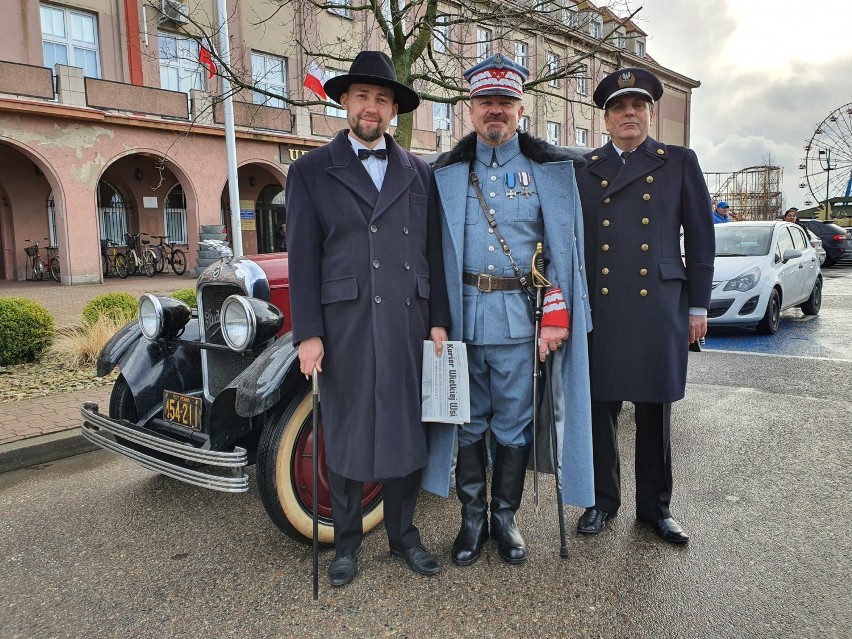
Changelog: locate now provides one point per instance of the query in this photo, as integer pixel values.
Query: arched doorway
(270, 213)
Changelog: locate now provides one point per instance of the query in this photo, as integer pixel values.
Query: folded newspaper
(445, 390)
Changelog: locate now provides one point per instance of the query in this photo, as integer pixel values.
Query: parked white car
(761, 269)
(818, 247)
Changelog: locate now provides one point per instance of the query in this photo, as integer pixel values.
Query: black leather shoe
(668, 530)
(342, 569)
(418, 559)
(593, 521)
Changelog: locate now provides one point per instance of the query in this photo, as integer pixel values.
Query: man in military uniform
(529, 188)
(647, 306)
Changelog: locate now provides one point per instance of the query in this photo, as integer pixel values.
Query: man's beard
(495, 134)
(367, 135)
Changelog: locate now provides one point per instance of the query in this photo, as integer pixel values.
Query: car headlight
(160, 316)
(745, 281)
(247, 321)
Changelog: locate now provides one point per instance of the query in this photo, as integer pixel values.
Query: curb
(43, 449)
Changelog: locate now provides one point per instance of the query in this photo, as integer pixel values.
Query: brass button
(649, 179)
(605, 270)
(646, 197)
(643, 271)
(643, 292)
(645, 220)
(607, 201)
(660, 152)
(645, 247)
(605, 247)
(605, 222)
(604, 183)
(594, 157)
(604, 291)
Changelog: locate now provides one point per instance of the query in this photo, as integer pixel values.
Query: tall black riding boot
(507, 488)
(470, 488)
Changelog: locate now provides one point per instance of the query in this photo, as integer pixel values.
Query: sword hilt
(538, 278)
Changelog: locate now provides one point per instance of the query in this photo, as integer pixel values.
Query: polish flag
(315, 79)
(206, 60)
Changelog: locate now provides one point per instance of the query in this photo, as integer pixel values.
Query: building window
(113, 213)
(620, 41)
(640, 48)
(386, 12)
(552, 67)
(570, 17)
(174, 214)
(596, 29)
(442, 117)
(180, 69)
(522, 53)
(333, 109)
(70, 37)
(581, 137)
(524, 124)
(441, 35)
(604, 138)
(543, 6)
(483, 44)
(51, 220)
(554, 133)
(583, 80)
(342, 8)
(269, 73)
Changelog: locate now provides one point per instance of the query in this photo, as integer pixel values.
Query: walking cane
(563, 544)
(315, 463)
(539, 282)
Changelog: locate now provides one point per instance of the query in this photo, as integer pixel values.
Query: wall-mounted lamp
(252, 181)
(138, 174)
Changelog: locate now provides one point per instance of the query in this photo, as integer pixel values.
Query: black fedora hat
(373, 67)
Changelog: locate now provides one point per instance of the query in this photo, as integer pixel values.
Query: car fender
(118, 347)
(269, 378)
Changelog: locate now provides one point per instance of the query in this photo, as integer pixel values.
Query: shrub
(187, 296)
(120, 306)
(79, 346)
(26, 330)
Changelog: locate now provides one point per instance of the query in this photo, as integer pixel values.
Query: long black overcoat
(366, 275)
(639, 287)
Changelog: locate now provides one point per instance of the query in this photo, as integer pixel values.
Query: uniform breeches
(500, 394)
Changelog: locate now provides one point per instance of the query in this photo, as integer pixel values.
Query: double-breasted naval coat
(640, 288)
(553, 178)
(366, 276)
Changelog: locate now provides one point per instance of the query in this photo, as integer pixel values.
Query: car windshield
(739, 240)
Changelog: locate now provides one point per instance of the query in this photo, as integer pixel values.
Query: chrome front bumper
(95, 426)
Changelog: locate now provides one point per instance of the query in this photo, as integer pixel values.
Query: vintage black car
(203, 394)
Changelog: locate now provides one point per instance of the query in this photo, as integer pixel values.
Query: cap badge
(626, 79)
(498, 60)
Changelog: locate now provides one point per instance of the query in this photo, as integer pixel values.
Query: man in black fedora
(366, 288)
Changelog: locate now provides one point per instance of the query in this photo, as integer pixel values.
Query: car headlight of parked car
(247, 321)
(160, 316)
(745, 281)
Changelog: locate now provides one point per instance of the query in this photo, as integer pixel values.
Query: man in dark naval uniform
(366, 288)
(647, 305)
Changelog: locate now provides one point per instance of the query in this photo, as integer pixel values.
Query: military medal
(526, 180)
(510, 186)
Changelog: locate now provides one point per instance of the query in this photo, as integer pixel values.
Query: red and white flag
(315, 79)
(206, 60)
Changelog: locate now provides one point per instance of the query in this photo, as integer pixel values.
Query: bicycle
(176, 258)
(146, 263)
(39, 266)
(113, 260)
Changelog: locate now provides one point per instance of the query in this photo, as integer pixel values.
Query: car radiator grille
(221, 367)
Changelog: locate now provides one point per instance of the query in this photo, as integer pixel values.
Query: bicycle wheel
(149, 263)
(120, 263)
(131, 262)
(160, 254)
(38, 269)
(54, 268)
(178, 262)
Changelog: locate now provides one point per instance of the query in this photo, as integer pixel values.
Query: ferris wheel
(827, 166)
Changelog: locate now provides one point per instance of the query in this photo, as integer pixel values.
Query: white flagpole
(230, 138)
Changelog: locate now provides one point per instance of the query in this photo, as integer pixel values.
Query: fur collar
(535, 149)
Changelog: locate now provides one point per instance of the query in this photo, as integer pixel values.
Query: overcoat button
(492, 194)
(581, 267)
(643, 292)
(378, 299)
(643, 271)
(494, 165)
(490, 267)
(604, 183)
(605, 271)
(373, 228)
(607, 200)
(375, 263)
(493, 178)
(408, 301)
(405, 230)
(660, 152)
(594, 157)
(645, 247)
(605, 247)
(605, 222)
(646, 197)
(407, 266)
(604, 291)
(490, 230)
(490, 249)
(491, 211)
(649, 179)
(645, 220)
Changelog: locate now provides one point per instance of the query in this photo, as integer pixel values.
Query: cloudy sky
(770, 71)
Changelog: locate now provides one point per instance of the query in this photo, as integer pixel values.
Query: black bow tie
(364, 154)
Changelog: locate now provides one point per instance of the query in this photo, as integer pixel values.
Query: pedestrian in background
(647, 306)
(722, 214)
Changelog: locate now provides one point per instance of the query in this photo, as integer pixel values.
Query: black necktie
(625, 155)
(364, 154)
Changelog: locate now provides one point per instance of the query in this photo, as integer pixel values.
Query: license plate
(182, 409)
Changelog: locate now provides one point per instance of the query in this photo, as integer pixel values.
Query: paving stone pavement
(44, 428)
